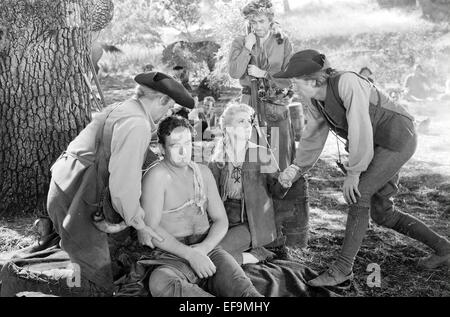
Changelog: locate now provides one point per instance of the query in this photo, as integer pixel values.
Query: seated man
(183, 206)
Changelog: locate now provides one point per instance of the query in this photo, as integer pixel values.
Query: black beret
(168, 86)
(302, 63)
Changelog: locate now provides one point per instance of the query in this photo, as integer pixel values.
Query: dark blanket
(280, 278)
(276, 278)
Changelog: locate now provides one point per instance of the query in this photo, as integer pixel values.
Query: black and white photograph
(241, 150)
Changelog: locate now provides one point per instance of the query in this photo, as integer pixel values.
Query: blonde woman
(246, 176)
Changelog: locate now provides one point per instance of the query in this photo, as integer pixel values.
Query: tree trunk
(44, 97)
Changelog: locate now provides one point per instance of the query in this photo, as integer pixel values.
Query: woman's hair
(218, 156)
(231, 110)
(169, 124)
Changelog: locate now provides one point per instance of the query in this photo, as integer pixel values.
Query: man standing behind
(105, 160)
(263, 52)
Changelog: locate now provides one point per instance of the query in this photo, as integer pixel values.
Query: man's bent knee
(164, 282)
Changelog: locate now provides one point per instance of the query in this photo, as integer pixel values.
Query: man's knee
(382, 212)
(164, 282)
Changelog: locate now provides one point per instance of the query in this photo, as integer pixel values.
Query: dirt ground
(424, 193)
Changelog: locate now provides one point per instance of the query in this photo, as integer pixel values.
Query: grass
(394, 253)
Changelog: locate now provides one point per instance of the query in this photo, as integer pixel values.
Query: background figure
(418, 86)
(210, 111)
(261, 53)
(182, 75)
(366, 72)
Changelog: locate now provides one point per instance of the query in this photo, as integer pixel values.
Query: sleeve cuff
(353, 174)
(138, 223)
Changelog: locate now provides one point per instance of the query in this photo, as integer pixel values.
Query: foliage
(181, 15)
(135, 21)
(228, 24)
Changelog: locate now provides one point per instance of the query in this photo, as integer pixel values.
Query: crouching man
(102, 168)
(182, 204)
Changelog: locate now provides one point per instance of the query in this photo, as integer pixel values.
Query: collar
(153, 125)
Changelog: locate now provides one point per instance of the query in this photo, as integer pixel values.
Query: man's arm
(129, 144)
(216, 212)
(313, 139)
(355, 94)
(239, 58)
(311, 145)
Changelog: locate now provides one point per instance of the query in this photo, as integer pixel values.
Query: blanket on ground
(51, 272)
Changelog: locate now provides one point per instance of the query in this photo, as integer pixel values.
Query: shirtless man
(182, 204)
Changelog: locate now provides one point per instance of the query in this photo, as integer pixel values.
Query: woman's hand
(286, 177)
(255, 71)
(350, 189)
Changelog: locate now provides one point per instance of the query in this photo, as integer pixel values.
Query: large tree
(44, 91)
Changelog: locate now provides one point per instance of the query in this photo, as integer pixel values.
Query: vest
(392, 125)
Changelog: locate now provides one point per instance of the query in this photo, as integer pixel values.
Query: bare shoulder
(157, 173)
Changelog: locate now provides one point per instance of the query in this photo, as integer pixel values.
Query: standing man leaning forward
(381, 138)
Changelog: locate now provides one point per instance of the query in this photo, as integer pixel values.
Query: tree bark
(44, 97)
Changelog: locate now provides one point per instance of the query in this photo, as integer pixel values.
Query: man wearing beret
(381, 138)
(101, 168)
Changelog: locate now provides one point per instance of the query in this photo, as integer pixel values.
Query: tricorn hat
(168, 86)
(303, 63)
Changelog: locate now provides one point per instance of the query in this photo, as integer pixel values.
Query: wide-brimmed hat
(168, 86)
(303, 63)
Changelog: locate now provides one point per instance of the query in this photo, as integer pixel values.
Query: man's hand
(200, 262)
(255, 71)
(146, 235)
(350, 188)
(250, 41)
(286, 177)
